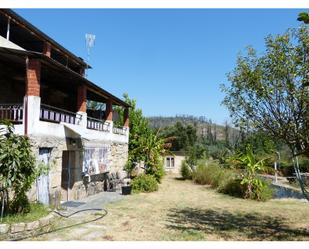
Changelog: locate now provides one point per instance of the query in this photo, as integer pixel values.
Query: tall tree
(144, 144)
(269, 92)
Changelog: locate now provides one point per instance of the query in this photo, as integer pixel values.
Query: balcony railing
(97, 124)
(120, 131)
(57, 115)
(12, 112)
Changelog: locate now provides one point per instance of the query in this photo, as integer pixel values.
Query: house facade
(173, 162)
(44, 93)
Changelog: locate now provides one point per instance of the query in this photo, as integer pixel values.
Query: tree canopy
(144, 144)
(270, 93)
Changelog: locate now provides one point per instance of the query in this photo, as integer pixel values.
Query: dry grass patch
(182, 210)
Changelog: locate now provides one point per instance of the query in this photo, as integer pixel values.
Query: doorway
(42, 182)
(69, 165)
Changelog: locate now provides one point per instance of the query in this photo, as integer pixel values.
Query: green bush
(20, 204)
(185, 171)
(212, 175)
(17, 167)
(144, 183)
(156, 170)
(230, 182)
(205, 174)
(234, 188)
(261, 192)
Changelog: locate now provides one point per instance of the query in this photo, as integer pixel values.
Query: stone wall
(117, 158)
(57, 146)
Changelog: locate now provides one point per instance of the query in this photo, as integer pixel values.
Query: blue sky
(171, 61)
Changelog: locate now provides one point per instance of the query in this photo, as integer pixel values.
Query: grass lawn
(181, 210)
(37, 211)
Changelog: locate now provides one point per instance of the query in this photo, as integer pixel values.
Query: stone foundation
(117, 157)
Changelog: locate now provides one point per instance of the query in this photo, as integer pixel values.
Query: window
(170, 162)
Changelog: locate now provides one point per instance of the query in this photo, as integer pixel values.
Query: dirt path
(181, 210)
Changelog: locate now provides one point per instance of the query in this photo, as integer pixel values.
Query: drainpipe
(8, 29)
(26, 103)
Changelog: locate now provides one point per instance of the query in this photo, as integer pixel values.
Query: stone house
(173, 161)
(44, 92)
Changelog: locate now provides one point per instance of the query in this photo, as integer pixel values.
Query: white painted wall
(178, 161)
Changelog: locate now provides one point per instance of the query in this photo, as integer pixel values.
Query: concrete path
(96, 201)
(82, 225)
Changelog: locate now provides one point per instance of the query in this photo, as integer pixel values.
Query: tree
(17, 167)
(182, 137)
(268, 93)
(303, 17)
(144, 144)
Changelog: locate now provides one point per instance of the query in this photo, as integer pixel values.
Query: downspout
(8, 29)
(26, 101)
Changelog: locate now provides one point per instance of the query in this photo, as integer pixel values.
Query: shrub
(17, 166)
(230, 182)
(212, 174)
(185, 171)
(20, 204)
(205, 174)
(156, 170)
(144, 183)
(263, 192)
(235, 187)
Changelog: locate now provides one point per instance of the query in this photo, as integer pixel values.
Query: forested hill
(204, 126)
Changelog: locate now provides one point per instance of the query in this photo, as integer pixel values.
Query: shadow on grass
(179, 178)
(232, 226)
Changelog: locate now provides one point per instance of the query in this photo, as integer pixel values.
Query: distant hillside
(203, 125)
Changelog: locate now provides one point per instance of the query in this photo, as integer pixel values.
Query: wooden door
(42, 182)
(67, 175)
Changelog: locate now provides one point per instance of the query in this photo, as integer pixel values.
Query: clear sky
(171, 61)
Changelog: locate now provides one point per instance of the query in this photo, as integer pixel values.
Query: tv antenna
(90, 39)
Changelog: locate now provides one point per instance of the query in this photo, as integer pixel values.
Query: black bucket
(126, 190)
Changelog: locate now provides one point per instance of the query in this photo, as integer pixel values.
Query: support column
(126, 117)
(82, 72)
(82, 105)
(109, 114)
(126, 121)
(32, 99)
(47, 49)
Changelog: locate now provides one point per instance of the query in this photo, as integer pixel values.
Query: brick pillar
(32, 99)
(82, 106)
(109, 110)
(82, 99)
(47, 49)
(126, 117)
(33, 77)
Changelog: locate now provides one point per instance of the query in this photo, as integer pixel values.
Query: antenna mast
(90, 38)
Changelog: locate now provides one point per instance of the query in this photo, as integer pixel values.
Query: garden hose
(67, 216)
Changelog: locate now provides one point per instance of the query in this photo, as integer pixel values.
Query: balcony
(97, 124)
(120, 131)
(12, 112)
(46, 120)
(57, 115)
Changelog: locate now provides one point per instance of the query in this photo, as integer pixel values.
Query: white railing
(57, 115)
(120, 131)
(12, 112)
(97, 124)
